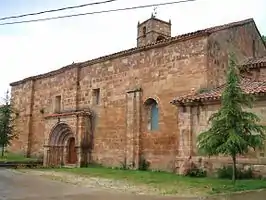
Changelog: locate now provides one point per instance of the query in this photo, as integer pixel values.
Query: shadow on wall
(87, 141)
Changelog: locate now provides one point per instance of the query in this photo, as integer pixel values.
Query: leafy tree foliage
(7, 117)
(233, 130)
(264, 38)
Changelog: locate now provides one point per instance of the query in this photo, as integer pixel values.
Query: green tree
(7, 130)
(233, 130)
(264, 38)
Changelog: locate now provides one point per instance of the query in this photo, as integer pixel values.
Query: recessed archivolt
(150, 101)
(60, 134)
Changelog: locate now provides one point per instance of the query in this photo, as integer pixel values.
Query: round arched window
(159, 38)
(152, 114)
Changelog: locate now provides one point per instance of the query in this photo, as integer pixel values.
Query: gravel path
(32, 185)
(94, 182)
(48, 185)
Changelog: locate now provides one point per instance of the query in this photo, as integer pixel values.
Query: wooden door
(72, 156)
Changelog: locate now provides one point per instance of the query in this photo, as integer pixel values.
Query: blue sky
(34, 48)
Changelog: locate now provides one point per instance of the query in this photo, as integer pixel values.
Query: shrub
(123, 165)
(143, 164)
(196, 172)
(95, 164)
(227, 171)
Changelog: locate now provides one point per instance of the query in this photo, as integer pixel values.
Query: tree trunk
(234, 169)
(3, 151)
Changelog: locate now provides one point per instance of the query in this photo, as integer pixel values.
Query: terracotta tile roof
(178, 38)
(248, 86)
(255, 62)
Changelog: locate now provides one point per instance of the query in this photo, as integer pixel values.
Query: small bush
(123, 165)
(144, 165)
(196, 172)
(227, 171)
(95, 164)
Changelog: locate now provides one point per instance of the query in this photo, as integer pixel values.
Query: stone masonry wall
(198, 122)
(154, 28)
(21, 99)
(238, 40)
(261, 74)
(255, 74)
(162, 73)
(44, 92)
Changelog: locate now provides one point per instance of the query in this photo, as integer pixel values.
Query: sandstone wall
(154, 28)
(22, 96)
(257, 74)
(196, 120)
(162, 73)
(261, 74)
(239, 40)
(34, 100)
(45, 91)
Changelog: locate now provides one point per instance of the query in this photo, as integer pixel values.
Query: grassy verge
(168, 183)
(15, 157)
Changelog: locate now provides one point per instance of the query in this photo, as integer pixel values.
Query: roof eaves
(214, 96)
(51, 73)
(255, 65)
(230, 25)
(178, 38)
(196, 100)
(161, 43)
(251, 63)
(156, 19)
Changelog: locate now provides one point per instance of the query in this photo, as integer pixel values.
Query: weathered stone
(119, 130)
(186, 166)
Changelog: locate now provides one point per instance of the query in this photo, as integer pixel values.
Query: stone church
(147, 102)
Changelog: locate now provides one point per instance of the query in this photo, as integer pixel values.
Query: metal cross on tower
(154, 11)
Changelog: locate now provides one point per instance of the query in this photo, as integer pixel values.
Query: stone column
(185, 132)
(137, 126)
(83, 134)
(185, 139)
(133, 117)
(46, 144)
(83, 138)
(62, 155)
(45, 156)
(65, 155)
(78, 152)
(78, 137)
(130, 128)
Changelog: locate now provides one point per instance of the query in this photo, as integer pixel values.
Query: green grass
(168, 183)
(15, 157)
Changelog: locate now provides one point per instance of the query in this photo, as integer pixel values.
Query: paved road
(18, 186)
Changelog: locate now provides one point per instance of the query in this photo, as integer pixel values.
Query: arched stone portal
(61, 146)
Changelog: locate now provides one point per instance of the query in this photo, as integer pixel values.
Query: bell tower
(153, 30)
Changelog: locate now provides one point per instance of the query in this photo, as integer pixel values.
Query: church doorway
(72, 155)
(61, 146)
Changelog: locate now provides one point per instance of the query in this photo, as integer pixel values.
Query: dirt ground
(48, 185)
(15, 185)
